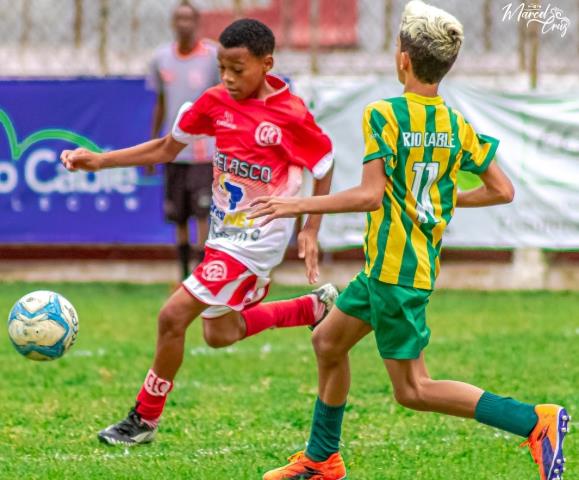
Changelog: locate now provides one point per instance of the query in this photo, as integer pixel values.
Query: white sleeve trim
(323, 166)
(176, 132)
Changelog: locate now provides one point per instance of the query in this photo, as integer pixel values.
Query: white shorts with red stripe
(225, 283)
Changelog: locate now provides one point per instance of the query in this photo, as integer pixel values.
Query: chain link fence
(335, 37)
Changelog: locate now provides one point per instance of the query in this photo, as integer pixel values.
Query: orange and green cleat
(546, 441)
(301, 467)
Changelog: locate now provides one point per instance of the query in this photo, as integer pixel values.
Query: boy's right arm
(159, 150)
(366, 197)
(192, 120)
(379, 161)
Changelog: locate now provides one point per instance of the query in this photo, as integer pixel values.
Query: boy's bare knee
(216, 339)
(171, 323)
(413, 396)
(326, 350)
(409, 398)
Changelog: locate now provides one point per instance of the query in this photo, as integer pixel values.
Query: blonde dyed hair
(432, 37)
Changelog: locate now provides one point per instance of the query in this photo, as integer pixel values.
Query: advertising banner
(539, 151)
(41, 202)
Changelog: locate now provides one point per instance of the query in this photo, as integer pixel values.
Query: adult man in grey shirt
(180, 72)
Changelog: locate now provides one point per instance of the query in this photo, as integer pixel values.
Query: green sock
(326, 431)
(506, 414)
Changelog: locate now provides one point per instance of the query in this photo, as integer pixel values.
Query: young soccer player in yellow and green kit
(414, 147)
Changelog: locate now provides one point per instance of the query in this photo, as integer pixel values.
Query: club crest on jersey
(267, 134)
(214, 271)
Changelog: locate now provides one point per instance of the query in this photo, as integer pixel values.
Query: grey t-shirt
(183, 79)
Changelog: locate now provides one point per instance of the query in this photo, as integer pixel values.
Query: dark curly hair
(252, 34)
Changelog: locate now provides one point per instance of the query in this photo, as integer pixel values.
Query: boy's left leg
(413, 388)
(544, 426)
(235, 293)
(223, 329)
(399, 318)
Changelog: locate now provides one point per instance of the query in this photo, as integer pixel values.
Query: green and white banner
(539, 151)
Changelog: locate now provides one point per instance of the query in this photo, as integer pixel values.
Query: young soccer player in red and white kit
(265, 137)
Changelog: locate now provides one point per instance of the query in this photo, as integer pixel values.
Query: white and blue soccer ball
(43, 325)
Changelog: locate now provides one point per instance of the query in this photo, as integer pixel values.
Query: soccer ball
(42, 325)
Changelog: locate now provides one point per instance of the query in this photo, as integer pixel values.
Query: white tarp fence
(539, 150)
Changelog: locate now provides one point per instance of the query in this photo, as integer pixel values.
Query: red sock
(288, 313)
(152, 397)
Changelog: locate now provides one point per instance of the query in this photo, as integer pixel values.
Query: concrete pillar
(529, 269)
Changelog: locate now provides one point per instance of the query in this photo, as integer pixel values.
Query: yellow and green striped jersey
(423, 144)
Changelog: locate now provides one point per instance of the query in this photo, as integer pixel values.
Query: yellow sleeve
(380, 135)
(477, 150)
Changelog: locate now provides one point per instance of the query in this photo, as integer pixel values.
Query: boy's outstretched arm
(496, 190)
(366, 197)
(159, 150)
(308, 236)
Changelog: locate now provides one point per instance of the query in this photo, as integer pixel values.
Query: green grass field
(238, 412)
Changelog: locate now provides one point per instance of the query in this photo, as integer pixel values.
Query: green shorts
(396, 313)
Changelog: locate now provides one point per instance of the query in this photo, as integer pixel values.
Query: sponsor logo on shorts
(214, 271)
(267, 134)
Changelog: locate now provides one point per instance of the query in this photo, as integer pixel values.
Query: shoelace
(534, 444)
(129, 423)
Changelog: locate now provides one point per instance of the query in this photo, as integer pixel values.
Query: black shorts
(187, 191)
